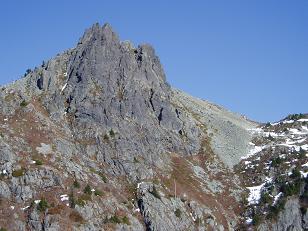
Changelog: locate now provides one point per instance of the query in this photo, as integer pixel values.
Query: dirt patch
(223, 205)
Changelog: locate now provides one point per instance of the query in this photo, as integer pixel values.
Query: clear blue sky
(248, 56)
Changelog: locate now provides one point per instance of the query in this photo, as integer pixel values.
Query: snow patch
(254, 194)
(253, 151)
(272, 134)
(305, 128)
(193, 217)
(248, 220)
(24, 208)
(277, 197)
(282, 156)
(295, 147)
(304, 174)
(63, 88)
(305, 147)
(255, 130)
(139, 184)
(284, 122)
(297, 132)
(288, 121)
(64, 197)
(305, 165)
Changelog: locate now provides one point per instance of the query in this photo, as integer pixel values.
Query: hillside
(96, 139)
(277, 166)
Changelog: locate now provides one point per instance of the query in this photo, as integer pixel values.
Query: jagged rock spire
(96, 32)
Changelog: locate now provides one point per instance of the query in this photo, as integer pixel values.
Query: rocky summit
(96, 139)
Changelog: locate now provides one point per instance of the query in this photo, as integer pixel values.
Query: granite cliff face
(96, 139)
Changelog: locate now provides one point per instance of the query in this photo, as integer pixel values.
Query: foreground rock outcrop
(96, 139)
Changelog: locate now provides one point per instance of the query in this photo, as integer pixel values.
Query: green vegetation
(266, 198)
(296, 116)
(289, 186)
(100, 173)
(3, 229)
(256, 219)
(1, 135)
(198, 221)
(296, 174)
(290, 189)
(28, 71)
(136, 160)
(276, 209)
(276, 162)
(18, 173)
(106, 137)
(111, 133)
(115, 219)
(266, 202)
(23, 103)
(303, 210)
(10, 97)
(156, 181)
(32, 204)
(302, 153)
(178, 213)
(76, 184)
(280, 180)
(42, 205)
(87, 190)
(80, 202)
(85, 197)
(103, 177)
(270, 137)
(125, 220)
(155, 193)
(304, 196)
(97, 192)
(38, 162)
(131, 189)
(72, 201)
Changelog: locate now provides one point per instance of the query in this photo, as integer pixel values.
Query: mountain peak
(97, 130)
(96, 32)
(107, 28)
